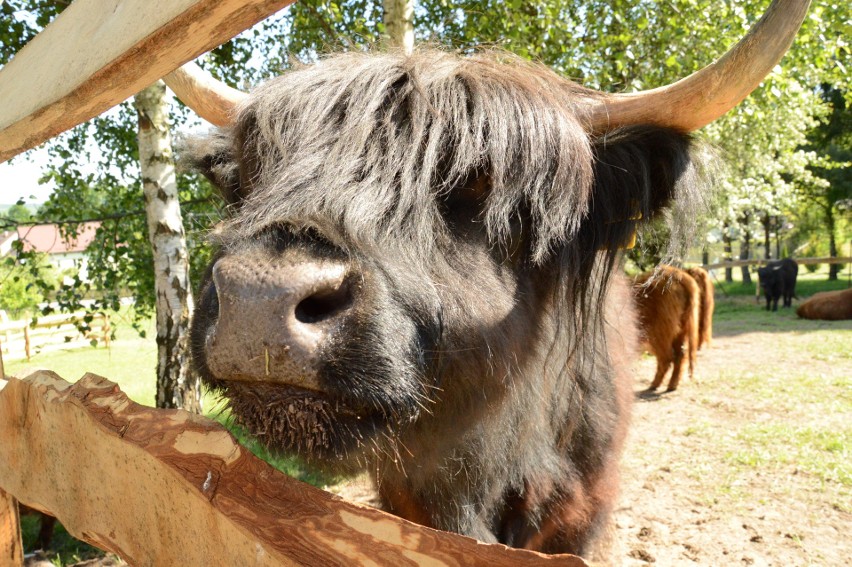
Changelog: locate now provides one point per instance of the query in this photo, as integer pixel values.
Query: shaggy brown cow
(827, 305)
(708, 304)
(418, 277)
(668, 303)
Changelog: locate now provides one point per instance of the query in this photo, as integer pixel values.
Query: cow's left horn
(706, 95)
(213, 100)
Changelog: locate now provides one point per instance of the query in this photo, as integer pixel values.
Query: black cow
(778, 279)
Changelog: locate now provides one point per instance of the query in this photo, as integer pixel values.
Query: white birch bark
(177, 387)
(399, 23)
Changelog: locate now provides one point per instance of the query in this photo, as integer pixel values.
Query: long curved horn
(706, 95)
(213, 100)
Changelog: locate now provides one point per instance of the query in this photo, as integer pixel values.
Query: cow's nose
(274, 316)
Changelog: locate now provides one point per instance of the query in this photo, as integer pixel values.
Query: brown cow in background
(668, 304)
(827, 305)
(708, 304)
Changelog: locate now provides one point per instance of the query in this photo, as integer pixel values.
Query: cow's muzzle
(275, 315)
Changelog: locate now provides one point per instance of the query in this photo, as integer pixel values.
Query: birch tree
(176, 386)
(399, 24)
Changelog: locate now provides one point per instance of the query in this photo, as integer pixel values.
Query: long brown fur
(708, 304)
(668, 302)
(828, 306)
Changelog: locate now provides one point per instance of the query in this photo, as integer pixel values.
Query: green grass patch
(822, 452)
(132, 364)
(65, 548)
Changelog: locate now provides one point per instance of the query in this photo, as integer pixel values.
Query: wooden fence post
(27, 348)
(11, 548)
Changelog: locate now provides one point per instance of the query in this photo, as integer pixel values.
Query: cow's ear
(214, 156)
(638, 172)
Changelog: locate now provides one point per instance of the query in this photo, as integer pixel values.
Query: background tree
(829, 191)
(177, 386)
(398, 20)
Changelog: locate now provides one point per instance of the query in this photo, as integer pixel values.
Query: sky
(19, 179)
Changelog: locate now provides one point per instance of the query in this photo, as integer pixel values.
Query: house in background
(62, 253)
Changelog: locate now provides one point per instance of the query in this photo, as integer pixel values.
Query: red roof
(47, 238)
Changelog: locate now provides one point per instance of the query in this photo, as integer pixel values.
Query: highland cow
(827, 305)
(419, 277)
(708, 304)
(668, 302)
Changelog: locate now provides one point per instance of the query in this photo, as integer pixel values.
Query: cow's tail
(707, 306)
(705, 289)
(691, 324)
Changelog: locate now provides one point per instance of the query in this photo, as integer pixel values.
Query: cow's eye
(464, 204)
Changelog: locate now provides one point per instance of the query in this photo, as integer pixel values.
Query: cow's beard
(329, 433)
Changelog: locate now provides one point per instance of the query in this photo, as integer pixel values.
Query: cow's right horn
(213, 100)
(706, 95)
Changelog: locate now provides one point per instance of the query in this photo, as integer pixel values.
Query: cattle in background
(418, 278)
(778, 280)
(828, 306)
(708, 304)
(45, 530)
(668, 302)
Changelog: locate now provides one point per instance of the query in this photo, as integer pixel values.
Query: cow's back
(828, 306)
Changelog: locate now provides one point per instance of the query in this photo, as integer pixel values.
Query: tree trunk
(833, 269)
(399, 23)
(705, 255)
(745, 250)
(767, 241)
(726, 239)
(177, 387)
(778, 225)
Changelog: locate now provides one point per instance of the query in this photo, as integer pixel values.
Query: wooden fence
(20, 339)
(166, 487)
(757, 262)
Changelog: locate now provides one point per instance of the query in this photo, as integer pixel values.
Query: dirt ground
(696, 492)
(684, 503)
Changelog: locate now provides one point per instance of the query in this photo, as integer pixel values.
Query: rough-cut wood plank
(164, 487)
(99, 52)
(11, 549)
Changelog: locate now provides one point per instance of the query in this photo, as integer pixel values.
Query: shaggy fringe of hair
(363, 147)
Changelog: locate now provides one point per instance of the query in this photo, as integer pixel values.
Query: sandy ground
(684, 503)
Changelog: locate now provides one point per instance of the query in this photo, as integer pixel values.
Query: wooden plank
(165, 487)
(97, 53)
(11, 548)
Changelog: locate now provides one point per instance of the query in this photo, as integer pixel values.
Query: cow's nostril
(324, 304)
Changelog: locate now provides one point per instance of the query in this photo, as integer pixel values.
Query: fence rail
(19, 339)
(758, 262)
(175, 488)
